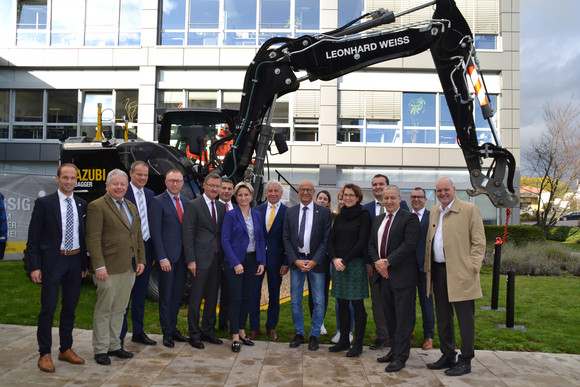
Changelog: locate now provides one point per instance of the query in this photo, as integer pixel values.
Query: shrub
(562, 233)
(519, 235)
(574, 235)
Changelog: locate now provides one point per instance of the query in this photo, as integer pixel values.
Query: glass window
(6, 13)
(203, 39)
(202, 99)
(349, 10)
(346, 134)
(130, 23)
(306, 129)
(204, 14)
(419, 115)
(4, 105)
(101, 21)
(447, 133)
(3, 131)
(90, 107)
(62, 106)
(60, 131)
(231, 100)
(173, 15)
(31, 23)
(27, 131)
(240, 14)
(275, 14)
(308, 14)
(383, 136)
(67, 23)
(28, 106)
(126, 105)
(170, 99)
(485, 42)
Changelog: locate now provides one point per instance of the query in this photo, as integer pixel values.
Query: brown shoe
(272, 334)
(254, 333)
(412, 335)
(428, 344)
(70, 356)
(45, 363)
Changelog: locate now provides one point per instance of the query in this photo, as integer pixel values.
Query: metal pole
(495, 278)
(509, 314)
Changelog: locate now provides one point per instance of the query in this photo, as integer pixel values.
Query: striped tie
(143, 215)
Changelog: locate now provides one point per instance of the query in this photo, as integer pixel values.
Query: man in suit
(58, 258)
(225, 195)
(202, 223)
(392, 244)
(376, 208)
(272, 215)
(166, 214)
(418, 200)
(141, 196)
(306, 231)
(115, 244)
(454, 252)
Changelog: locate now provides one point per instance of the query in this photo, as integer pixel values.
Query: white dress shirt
(307, 226)
(438, 250)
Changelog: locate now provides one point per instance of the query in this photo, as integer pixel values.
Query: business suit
(224, 290)
(425, 301)
(201, 243)
(398, 291)
(320, 231)
(275, 258)
(45, 239)
(139, 293)
(117, 247)
(166, 235)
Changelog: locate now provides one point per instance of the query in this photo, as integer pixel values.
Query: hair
(357, 191)
(173, 171)
(227, 181)
(243, 184)
(137, 164)
(116, 172)
(379, 175)
(274, 182)
(211, 176)
(60, 167)
(420, 189)
(392, 188)
(340, 193)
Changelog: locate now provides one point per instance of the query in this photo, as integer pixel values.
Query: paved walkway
(267, 364)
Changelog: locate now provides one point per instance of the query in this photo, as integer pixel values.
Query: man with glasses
(166, 215)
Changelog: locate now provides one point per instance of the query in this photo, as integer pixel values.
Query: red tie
(418, 214)
(384, 239)
(227, 207)
(179, 210)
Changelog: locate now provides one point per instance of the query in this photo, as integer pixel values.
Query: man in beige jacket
(454, 252)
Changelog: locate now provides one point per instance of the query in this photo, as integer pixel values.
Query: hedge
(517, 234)
(564, 234)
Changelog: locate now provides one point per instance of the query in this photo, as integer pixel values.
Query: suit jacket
(165, 227)
(464, 245)
(275, 253)
(45, 230)
(421, 247)
(130, 195)
(110, 242)
(403, 239)
(235, 238)
(318, 237)
(199, 234)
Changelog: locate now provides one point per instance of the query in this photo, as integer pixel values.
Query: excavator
(273, 73)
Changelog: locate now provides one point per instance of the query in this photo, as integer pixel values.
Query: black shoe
(196, 343)
(443, 362)
(247, 341)
(355, 351)
(212, 340)
(378, 344)
(396, 365)
(313, 344)
(387, 358)
(168, 341)
(102, 359)
(297, 341)
(339, 347)
(177, 336)
(120, 353)
(461, 368)
(235, 346)
(142, 339)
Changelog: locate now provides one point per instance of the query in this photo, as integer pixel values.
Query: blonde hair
(243, 184)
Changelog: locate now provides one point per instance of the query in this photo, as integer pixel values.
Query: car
(571, 215)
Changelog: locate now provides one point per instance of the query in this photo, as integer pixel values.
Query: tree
(554, 158)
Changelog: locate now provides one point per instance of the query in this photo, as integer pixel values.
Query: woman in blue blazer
(245, 256)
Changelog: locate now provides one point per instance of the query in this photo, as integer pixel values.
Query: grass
(546, 306)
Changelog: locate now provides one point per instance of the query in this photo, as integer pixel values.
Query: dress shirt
(208, 203)
(382, 229)
(421, 213)
(171, 196)
(307, 226)
(250, 227)
(269, 209)
(438, 248)
(63, 204)
(378, 205)
(229, 205)
(140, 196)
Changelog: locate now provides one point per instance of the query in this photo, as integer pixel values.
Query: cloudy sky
(549, 58)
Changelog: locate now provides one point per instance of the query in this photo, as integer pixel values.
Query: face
(349, 197)
(117, 187)
(306, 192)
(378, 184)
(139, 176)
(445, 191)
(273, 193)
(391, 200)
(226, 191)
(322, 200)
(174, 182)
(227, 130)
(340, 201)
(212, 188)
(243, 197)
(67, 180)
(418, 200)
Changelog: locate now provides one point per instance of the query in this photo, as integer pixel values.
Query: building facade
(60, 58)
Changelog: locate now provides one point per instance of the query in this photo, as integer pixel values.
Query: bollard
(495, 279)
(511, 290)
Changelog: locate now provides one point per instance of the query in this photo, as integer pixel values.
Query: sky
(549, 58)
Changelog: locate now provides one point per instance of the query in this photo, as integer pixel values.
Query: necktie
(124, 213)
(69, 226)
(143, 214)
(302, 227)
(179, 209)
(227, 207)
(382, 211)
(384, 239)
(272, 216)
(418, 214)
(213, 215)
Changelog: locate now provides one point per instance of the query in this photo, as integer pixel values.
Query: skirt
(352, 283)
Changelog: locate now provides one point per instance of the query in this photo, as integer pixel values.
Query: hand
(310, 264)
(192, 266)
(260, 270)
(84, 273)
(338, 265)
(140, 269)
(301, 264)
(102, 274)
(165, 265)
(239, 268)
(384, 272)
(36, 276)
(284, 270)
(369, 270)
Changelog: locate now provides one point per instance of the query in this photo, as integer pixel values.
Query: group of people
(382, 243)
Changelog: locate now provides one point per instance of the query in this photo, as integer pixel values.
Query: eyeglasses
(214, 186)
(417, 197)
(305, 189)
(175, 181)
(348, 195)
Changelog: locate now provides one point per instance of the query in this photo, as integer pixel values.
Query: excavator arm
(355, 46)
